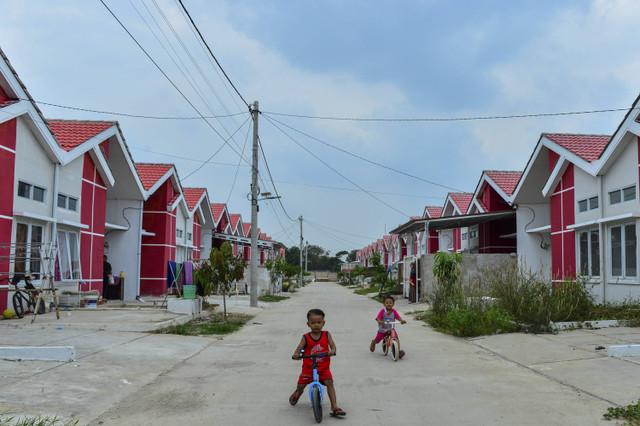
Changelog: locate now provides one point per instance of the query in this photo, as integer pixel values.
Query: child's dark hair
(390, 297)
(315, 312)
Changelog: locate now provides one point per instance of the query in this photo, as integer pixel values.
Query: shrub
(447, 293)
(469, 322)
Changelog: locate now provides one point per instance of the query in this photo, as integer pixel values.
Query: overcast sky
(341, 59)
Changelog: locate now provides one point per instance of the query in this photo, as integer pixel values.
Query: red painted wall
(7, 174)
(563, 243)
(157, 250)
(457, 239)
(92, 214)
(493, 201)
(433, 244)
(196, 236)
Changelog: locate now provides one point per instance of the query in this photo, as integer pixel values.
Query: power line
(184, 158)
(272, 182)
(357, 190)
(235, 177)
(168, 78)
(124, 114)
(218, 150)
(444, 119)
(335, 237)
(342, 232)
(334, 170)
(214, 56)
(363, 158)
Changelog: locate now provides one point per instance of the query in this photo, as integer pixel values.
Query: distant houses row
(72, 193)
(574, 210)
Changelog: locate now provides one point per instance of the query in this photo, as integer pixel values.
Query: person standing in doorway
(413, 296)
(106, 273)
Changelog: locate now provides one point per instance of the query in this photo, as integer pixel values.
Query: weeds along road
(246, 378)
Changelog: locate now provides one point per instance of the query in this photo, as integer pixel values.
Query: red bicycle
(391, 342)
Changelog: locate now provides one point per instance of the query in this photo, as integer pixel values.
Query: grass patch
(630, 414)
(211, 324)
(6, 419)
(272, 298)
(367, 290)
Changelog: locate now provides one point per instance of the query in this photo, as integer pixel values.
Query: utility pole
(301, 248)
(255, 191)
(306, 252)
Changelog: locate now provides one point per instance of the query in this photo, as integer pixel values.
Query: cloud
(581, 58)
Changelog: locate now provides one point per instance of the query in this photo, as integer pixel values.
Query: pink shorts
(379, 337)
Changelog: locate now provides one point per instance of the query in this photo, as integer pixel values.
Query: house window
(589, 253)
(588, 204)
(621, 195)
(68, 259)
(473, 234)
(623, 245)
(179, 233)
(28, 246)
(464, 236)
(66, 202)
(189, 236)
(33, 192)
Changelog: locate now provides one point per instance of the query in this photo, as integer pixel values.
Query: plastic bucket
(189, 291)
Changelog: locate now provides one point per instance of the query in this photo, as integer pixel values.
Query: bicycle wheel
(385, 346)
(316, 403)
(395, 350)
(18, 306)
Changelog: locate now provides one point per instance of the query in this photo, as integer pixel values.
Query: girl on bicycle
(386, 314)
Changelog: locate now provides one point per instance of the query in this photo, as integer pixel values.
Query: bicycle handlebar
(319, 355)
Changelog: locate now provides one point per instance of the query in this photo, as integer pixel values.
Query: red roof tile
(433, 212)
(192, 196)
(462, 200)
(173, 199)
(587, 147)
(235, 219)
(247, 228)
(506, 180)
(217, 210)
(71, 133)
(150, 173)
(7, 103)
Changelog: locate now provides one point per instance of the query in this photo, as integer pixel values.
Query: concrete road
(137, 378)
(246, 378)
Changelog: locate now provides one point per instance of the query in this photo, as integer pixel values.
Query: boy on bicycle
(386, 314)
(317, 341)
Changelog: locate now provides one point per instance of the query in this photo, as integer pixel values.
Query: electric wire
(212, 55)
(168, 78)
(333, 169)
(445, 119)
(361, 157)
(357, 190)
(342, 232)
(184, 158)
(335, 237)
(205, 162)
(235, 176)
(124, 114)
(194, 84)
(272, 181)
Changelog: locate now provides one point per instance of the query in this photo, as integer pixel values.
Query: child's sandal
(337, 412)
(293, 399)
(372, 346)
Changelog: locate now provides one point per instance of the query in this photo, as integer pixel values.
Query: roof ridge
(578, 134)
(69, 120)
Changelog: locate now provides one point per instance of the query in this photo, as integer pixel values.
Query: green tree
(221, 271)
(276, 270)
(352, 255)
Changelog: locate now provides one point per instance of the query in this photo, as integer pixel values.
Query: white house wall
(622, 174)
(123, 247)
(530, 249)
(70, 184)
(445, 239)
(32, 166)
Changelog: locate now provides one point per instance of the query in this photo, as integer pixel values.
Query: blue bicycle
(316, 392)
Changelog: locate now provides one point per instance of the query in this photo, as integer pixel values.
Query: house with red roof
(200, 219)
(578, 208)
(456, 204)
(494, 193)
(163, 226)
(60, 179)
(429, 241)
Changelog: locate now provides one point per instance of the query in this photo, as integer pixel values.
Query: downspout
(139, 255)
(54, 215)
(602, 241)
